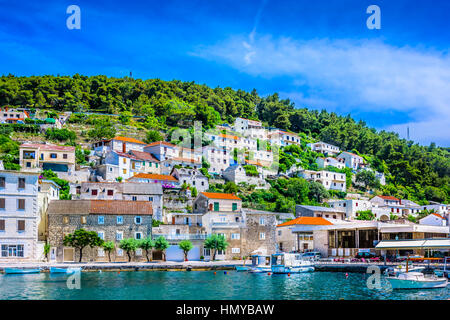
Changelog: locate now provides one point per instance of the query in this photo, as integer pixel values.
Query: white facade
(352, 160)
(282, 138)
(324, 148)
(192, 177)
(19, 216)
(329, 161)
(219, 159)
(433, 220)
(352, 206)
(330, 180)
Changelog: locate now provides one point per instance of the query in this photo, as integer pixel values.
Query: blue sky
(318, 53)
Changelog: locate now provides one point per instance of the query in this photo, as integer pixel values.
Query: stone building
(192, 177)
(113, 220)
(36, 157)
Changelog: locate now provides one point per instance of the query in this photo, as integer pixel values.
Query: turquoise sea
(205, 285)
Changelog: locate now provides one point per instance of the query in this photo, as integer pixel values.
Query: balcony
(180, 236)
(226, 224)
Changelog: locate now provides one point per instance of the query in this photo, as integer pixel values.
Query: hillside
(413, 171)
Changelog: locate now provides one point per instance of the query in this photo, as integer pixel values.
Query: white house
(324, 148)
(48, 191)
(282, 138)
(434, 219)
(330, 180)
(192, 177)
(353, 206)
(218, 158)
(329, 161)
(352, 160)
(19, 216)
(119, 144)
(162, 150)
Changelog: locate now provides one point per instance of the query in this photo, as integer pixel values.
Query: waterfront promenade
(326, 266)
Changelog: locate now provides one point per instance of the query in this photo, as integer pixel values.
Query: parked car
(312, 255)
(365, 255)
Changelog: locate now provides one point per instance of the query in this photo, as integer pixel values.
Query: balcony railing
(180, 236)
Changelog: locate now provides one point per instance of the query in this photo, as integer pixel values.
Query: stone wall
(58, 229)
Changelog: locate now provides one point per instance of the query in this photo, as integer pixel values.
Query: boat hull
(21, 271)
(260, 269)
(64, 270)
(414, 284)
(296, 269)
(241, 268)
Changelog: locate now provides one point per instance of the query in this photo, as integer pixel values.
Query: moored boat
(260, 264)
(285, 263)
(241, 268)
(64, 270)
(21, 271)
(417, 280)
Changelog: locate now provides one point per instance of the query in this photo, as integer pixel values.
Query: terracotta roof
(144, 156)
(254, 162)
(228, 136)
(121, 207)
(126, 155)
(389, 198)
(438, 215)
(225, 196)
(185, 160)
(161, 142)
(315, 221)
(47, 147)
(126, 139)
(153, 176)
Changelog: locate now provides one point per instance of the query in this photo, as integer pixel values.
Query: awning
(413, 244)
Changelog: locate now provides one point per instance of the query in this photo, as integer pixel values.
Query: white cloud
(364, 75)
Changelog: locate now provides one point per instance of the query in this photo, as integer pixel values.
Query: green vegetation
(129, 245)
(109, 246)
(365, 215)
(186, 246)
(215, 242)
(64, 192)
(251, 171)
(162, 244)
(147, 244)
(367, 179)
(61, 135)
(412, 171)
(9, 152)
(153, 136)
(82, 238)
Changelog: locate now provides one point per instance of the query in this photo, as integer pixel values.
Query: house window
(101, 235)
(2, 182)
(235, 236)
(20, 225)
(2, 225)
(234, 206)
(94, 192)
(119, 252)
(21, 183)
(65, 219)
(150, 199)
(134, 198)
(124, 161)
(124, 171)
(262, 236)
(261, 221)
(119, 235)
(235, 250)
(216, 206)
(28, 164)
(21, 204)
(2, 203)
(138, 235)
(53, 155)
(83, 220)
(220, 252)
(101, 220)
(279, 232)
(138, 220)
(12, 250)
(119, 220)
(65, 156)
(139, 252)
(110, 192)
(206, 252)
(100, 252)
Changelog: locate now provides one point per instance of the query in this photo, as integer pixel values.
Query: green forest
(413, 171)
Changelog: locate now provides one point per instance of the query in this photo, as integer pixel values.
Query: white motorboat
(260, 264)
(395, 271)
(286, 263)
(416, 280)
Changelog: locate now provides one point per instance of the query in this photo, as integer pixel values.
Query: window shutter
(2, 182)
(2, 225)
(21, 183)
(21, 225)
(2, 203)
(21, 204)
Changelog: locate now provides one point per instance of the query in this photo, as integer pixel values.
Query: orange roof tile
(126, 139)
(228, 136)
(161, 142)
(121, 207)
(389, 198)
(154, 176)
(224, 196)
(315, 221)
(438, 215)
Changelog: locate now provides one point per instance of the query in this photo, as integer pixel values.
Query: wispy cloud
(356, 74)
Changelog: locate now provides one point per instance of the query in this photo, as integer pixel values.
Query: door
(68, 254)
(53, 254)
(174, 253)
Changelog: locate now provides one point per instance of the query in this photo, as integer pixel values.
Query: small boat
(64, 270)
(241, 268)
(443, 272)
(21, 271)
(260, 264)
(284, 263)
(395, 271)
(417, 280)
